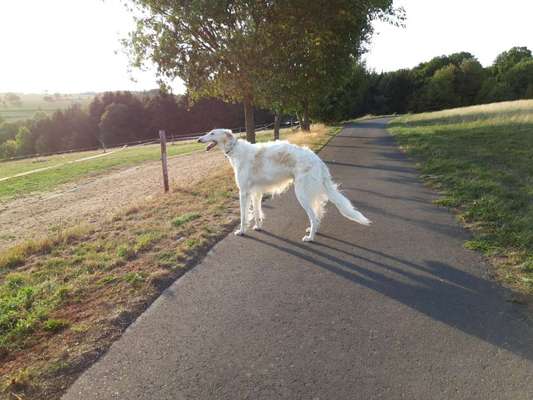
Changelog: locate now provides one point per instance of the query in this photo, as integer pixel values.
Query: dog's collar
(227, 152)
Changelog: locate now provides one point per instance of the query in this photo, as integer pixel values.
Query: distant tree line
(443, 82)
(118, 117)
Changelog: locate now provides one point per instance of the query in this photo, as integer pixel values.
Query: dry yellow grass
(320, 134)
(520, 111)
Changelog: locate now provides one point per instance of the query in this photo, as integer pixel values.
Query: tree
(25, 141)
(440, 91)
(213, 45)
(8, 149)
(8, 130)
(349, 101)
(426, 70)
(114, 125)
(508, 59)
(312, 47)
(283, 53)
(470, 80)
(397, 87)
(519, 79)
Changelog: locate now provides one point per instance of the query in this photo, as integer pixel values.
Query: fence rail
(172, 138)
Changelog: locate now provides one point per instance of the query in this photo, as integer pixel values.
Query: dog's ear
(229, 135)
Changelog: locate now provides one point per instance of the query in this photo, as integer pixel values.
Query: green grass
(184, 218)
(481, 158)
(25, 305)
(55, 325)
(10, 168)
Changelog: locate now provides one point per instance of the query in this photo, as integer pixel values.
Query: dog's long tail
(344, 205)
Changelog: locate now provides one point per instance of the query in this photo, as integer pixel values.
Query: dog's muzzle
(210, 145)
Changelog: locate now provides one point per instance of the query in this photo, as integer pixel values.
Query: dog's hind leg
(303, 197)
(258, 212)
(244, 199)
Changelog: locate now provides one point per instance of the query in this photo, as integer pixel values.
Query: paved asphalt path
(399, 310)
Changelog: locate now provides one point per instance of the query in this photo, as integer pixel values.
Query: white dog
(271, 168)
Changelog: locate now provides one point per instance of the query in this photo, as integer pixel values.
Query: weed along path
(399, 310)
(92, 200)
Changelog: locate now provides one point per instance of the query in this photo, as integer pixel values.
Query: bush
(519, 79)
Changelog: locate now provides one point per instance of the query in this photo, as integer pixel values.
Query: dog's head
(223, 137)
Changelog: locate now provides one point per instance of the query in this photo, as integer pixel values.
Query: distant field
(33, 103)
(49, 179)
(481, 157)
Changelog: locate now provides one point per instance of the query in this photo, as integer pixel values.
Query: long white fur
(271, 168)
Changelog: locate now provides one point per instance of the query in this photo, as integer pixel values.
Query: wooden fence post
(163, 138)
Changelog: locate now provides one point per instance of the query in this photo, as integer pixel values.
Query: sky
(72, 46)
(66, 46)
(484, 28)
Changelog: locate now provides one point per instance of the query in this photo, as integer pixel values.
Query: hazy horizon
(48, 53)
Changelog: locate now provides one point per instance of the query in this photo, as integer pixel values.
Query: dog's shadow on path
(471, 304)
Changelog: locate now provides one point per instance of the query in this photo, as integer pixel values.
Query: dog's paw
(307, 238)
(239, 232)
(257, 228)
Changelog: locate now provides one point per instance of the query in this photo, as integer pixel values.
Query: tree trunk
(306, 124)
(249, 120)
(277, 122)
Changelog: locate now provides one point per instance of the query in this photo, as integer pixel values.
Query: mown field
(64, 169)
(33, 103)
(66, 297)
(481, 159)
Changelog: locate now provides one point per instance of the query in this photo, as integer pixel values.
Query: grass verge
(481, 159)
(64, 299)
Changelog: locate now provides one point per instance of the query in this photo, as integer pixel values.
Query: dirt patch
(95, 199)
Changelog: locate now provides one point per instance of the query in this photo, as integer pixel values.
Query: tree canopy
(280, 54)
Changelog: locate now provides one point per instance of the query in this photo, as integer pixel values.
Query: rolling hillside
(30, 104)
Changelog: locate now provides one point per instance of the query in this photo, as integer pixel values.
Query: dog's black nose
(199, 140)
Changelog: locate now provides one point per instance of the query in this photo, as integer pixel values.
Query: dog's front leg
(258, 213)
(244, 199)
